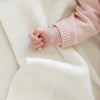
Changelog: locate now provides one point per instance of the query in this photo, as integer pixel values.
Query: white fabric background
(8, 65)
(89, 49)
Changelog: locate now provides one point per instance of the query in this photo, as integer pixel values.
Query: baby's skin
(43, 37)
(81, 25)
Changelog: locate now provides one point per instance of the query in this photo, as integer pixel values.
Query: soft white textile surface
(35, 79)
(8, 65)
(43, 79)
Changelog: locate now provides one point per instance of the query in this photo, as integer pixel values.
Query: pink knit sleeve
(81, 25)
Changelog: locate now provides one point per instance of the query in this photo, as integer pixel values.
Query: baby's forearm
(81, 25)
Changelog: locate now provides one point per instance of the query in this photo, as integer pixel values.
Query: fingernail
(39, 49)
(35, 38)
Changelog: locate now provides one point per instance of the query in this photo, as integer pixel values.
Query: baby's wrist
(57, 38)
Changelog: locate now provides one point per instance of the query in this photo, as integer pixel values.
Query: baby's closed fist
(42, 38)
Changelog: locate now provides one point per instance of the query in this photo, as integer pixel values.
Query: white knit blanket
(53, 73)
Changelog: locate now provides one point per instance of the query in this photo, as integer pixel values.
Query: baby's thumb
(38, 31)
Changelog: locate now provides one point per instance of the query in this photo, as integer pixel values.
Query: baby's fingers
(38, 49)
(37, 45)
(32, 37)
(37, 40)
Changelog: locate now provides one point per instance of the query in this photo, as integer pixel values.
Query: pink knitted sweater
(83, 23)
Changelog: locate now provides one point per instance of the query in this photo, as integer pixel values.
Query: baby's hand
(42, 38)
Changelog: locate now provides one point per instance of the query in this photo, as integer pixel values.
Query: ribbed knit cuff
(57, 36)
(66, 33)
